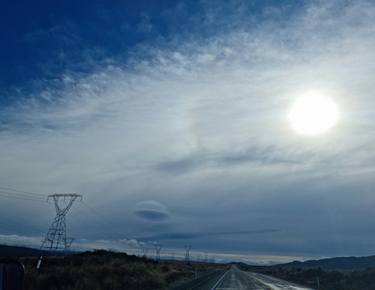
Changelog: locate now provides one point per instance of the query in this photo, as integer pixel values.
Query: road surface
(236, 279)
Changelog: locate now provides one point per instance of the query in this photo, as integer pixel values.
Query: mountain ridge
(339, 263)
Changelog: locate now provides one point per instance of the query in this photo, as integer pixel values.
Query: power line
(10, 192)
(22, 191)
(11, 195)
(17, 194)
(103, 219)
(11, 223)
(22, 194)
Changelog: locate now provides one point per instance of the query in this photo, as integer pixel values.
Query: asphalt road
(235, 279)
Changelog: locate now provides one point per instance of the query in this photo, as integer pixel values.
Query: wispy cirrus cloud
(210, 110)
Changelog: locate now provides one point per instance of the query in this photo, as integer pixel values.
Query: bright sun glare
(313, 114)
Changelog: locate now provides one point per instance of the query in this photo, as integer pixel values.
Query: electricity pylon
(144, 250)
(187, 253)
(158, 248)
(55, 239)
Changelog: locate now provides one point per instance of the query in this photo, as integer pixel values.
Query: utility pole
(158, 248)
(187, 253)
(55, 239)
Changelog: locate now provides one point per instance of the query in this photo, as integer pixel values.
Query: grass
(107, 270)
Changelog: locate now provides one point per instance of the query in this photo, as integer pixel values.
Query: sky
(171, 119)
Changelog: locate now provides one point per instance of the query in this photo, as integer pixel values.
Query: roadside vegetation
(101, 270)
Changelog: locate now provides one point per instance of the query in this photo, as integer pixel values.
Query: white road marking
(280, 287)
(218, 281)
(269, 282)
(275, 285)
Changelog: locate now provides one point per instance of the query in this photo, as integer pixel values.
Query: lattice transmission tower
(55, 239)
(158, 248)
(187, 253)
(144, 250)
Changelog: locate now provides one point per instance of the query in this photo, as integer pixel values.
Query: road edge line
(218, 281)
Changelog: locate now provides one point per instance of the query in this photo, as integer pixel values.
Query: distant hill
(340, 263)
(15, 251)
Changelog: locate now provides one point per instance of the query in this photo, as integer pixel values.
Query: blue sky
(43, 39)
(170, 117)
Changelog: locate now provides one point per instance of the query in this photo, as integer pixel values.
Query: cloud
(210, 110)
(130, 243)
(20, 240)
(151, 210)
(194, 235)
(255, 155)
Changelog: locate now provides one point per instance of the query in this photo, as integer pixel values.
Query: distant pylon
(144, 250)
(158, 248)
(55, 239)
(187, 253)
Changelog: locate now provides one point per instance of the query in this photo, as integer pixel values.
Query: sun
(313, 114)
